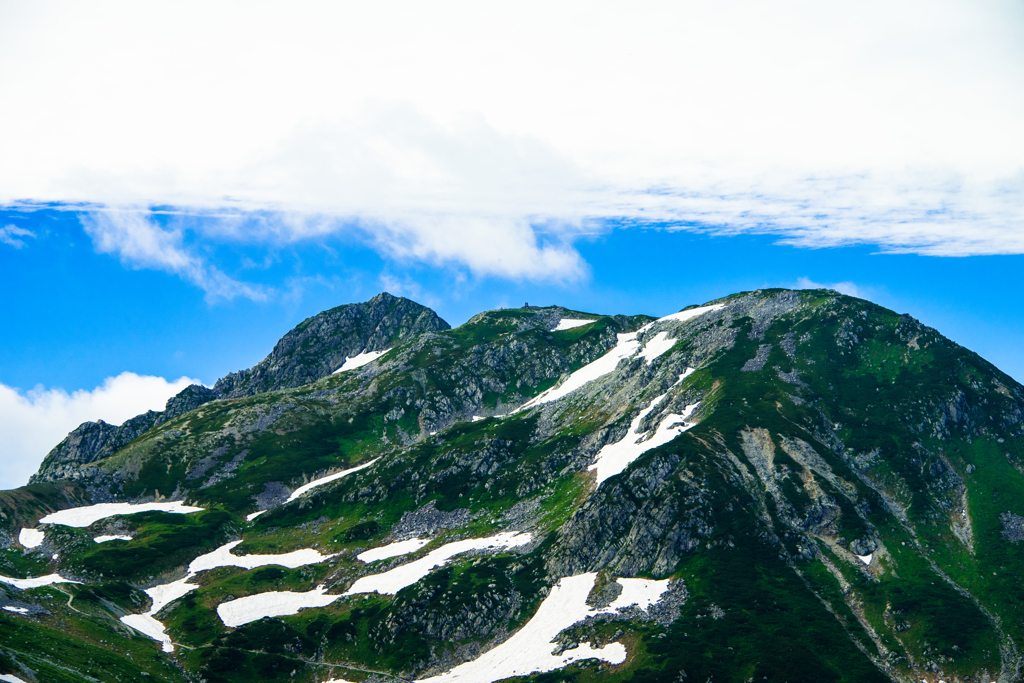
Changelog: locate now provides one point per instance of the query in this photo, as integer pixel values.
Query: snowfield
(683, 316)
(31, 538)
(149, 627)
(326, 480)
(394, 580)
(529, 650)
(360, 360)
(570, 323)
(37, 582)
(627, 347)
(313, 484)
(642, 593)
(271, 604)
(616, 457)
(392, 550)
(656, 347)
(164, 594)
(283, 603)
(104, 539)
(222, 557)
(84, 516)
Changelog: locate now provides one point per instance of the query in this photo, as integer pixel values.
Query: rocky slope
(776, 485)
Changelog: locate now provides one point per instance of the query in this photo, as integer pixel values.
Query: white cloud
(500, 246)
(34, 422)
(10, 234)
(141, 243)
(407, 287)
(929, 213)
(448, 132)
(846, 287)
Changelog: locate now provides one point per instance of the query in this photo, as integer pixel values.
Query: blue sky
(82, 316)
(181, 184)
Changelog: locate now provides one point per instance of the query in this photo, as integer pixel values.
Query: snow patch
(222, 557)
(31, 538)
(392, 550)
(657, 346)
(271, 604)
(360, 360)
(477, 418)
(394, 580)
(151, 628)
(324, 480)
(640, 592)
(39, 581)
(686, 373)
(570, 323)
(84, 516)
(313, 484)
(11, 678)
(164, 594)
(104, 539)
(16, 610)
(167, 593)
(683, 316)
(866, 559)
(616, 457)
(626, 347)
(529, 650)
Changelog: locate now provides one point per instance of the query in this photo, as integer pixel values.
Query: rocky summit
(772, 486)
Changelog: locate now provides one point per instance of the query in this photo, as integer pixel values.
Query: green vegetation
(163, 542)
(81, 642)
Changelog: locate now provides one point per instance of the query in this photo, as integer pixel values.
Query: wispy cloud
(931, 213)
(847, 287)
(10, 234)
(33, 422)
(407, 287)
(140, 242)
(505, 246)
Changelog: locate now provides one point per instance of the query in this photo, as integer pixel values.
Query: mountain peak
(313, 349)
(319, 345)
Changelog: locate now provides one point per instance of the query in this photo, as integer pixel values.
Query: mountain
(314, 349)
(777, 485)
(320, 345)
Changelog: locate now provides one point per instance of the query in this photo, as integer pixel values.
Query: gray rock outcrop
(92, 441)
(318, 346)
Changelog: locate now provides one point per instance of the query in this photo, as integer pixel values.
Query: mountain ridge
(763, 455)
(325, 341)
